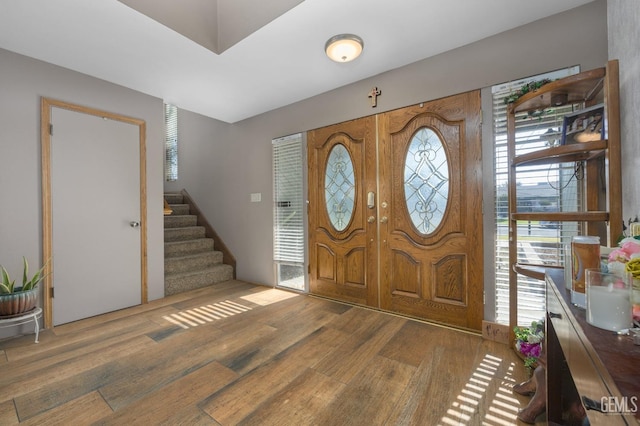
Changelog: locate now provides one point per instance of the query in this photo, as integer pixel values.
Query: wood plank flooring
(238, 353)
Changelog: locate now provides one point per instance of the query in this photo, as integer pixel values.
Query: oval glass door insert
(426, 180)
(339, 187)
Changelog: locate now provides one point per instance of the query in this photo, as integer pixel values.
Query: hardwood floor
(238, 353)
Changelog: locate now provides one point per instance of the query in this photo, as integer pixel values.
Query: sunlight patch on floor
(206, 314)
(504, 407)
(267, 297)
(502, 411)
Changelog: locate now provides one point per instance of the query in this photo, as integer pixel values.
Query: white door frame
(47, 236)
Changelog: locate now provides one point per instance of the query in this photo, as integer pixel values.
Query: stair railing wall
(227, 257)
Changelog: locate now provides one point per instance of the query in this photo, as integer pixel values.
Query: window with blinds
(288, 211)
(555, 187)
(171, 143)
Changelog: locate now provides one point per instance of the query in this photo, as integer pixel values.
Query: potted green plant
(14, 300)
(529, 343)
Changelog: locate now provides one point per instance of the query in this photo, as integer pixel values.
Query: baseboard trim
(496, 332)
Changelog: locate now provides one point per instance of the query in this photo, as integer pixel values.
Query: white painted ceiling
(280, 63)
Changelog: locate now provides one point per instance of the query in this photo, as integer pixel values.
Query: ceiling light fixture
(344, 47)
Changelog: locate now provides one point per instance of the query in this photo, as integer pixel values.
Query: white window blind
(171, 143)
(553, 187)
(288, 200)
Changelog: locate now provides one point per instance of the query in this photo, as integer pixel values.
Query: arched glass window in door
(426, 180)
(340, 187)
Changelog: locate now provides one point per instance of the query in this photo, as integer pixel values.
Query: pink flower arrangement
(626, 258)
(629, 248)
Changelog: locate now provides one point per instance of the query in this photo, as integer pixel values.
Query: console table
(32, 315)
(600, 368)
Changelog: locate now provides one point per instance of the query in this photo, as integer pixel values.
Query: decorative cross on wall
(373, 94)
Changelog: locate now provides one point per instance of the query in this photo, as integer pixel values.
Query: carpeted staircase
(190, 260)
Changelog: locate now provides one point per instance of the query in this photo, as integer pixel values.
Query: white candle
(609, 307)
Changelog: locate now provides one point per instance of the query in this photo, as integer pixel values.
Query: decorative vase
(18, 302)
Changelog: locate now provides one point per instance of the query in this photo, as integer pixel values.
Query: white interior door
(95, 210)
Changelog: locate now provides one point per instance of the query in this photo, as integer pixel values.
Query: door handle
(371, 199)
(134, 224)
(383, 219)
(371, 219)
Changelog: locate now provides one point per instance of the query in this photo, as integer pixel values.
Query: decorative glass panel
(339, 187)
(426, 180)
(171, 143)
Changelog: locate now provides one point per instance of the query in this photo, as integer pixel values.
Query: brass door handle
(371, 219)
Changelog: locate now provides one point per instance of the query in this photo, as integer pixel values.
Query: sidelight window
(289, 211)
(171, 143)
(555, 187)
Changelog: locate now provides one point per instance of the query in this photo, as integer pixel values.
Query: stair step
(184, 248)
(185, 281)
(183, 234)
(179, 209)
(192, 262)
(180, 221)
(173, 197)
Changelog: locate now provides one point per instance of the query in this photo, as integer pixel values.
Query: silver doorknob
(134, 224)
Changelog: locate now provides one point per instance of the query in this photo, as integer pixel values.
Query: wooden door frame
(47, 224)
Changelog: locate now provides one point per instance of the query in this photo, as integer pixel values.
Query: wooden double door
(395, 211)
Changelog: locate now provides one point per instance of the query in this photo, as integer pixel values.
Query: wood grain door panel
(382, 258)
(343, 262)
(436, 274)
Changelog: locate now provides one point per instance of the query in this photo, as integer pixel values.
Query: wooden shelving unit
(562, 154)
(534, 271)
(602, 182)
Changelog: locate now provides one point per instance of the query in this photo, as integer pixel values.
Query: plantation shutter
(540, 188)
(288, 202)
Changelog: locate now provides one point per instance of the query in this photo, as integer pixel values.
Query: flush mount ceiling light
(344, 47)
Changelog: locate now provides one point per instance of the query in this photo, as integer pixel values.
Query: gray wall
(23, 81)
(222, 164)
(244, 158)
(624, 33)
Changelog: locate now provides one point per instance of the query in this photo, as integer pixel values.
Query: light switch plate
(256, 197)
